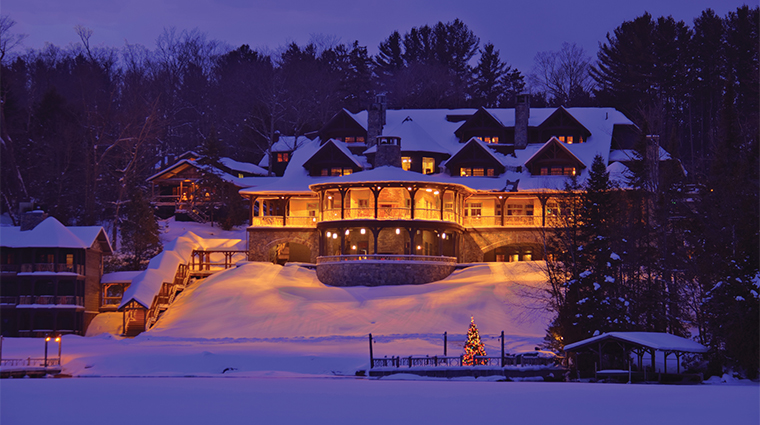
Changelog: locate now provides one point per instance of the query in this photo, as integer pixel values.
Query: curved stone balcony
(383, 269)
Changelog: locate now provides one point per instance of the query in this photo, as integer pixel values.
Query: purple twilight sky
(518, 29)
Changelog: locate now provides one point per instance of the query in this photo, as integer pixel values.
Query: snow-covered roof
(414, 138)
(433, 125)
(243, 166)
(500, 158)
(289, 143)
(630, 155)
(119, 277)
(656, 340)
(50, 233)
(162, 268)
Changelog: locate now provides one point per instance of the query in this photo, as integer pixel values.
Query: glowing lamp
(398, 231)
(419, 247)
(335, 236)
(329, 234)
(347, 232)
(363, 231)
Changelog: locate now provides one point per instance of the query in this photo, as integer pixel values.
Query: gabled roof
(338, 147)
(480, 119)
(50, 233)
(476, 144)
(342, 120)
(173, 169)
(553, 143)
(656, 340)
(563, 114)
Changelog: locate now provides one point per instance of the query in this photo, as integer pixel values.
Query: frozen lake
(298, 400)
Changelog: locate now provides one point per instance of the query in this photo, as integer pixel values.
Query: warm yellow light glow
(500, 197)
(419, 247)
(335, 236)
(428, 190)
(329, 234)
(436, 192)
(363, 231)
(329, 197)
(398, 231)
(353, 247)
(58, 339)
(47, 339)
(347, 232)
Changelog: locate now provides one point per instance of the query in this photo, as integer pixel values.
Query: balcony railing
(51, 300)
(495, 221)
(53, 268)
(385, 257)
(8, 299)
(9, 268)
(290, 221)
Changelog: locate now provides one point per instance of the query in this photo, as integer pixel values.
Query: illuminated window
(282, 157)
(363, 203)
(336, 171)
(240, 175)
(325, 172)
(406, 163)
(490, 172)
(494, 139)
(465, 172)
(556, 171)
(428, 165)
(350, 139)
(515, 209)
(347, 171)
(561, 138)
(360, 139)
(569, 140)
(569, 171)
(544, 171)
(478, 172)
(473, 209)
(69, 260)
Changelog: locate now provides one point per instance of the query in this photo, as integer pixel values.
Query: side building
(50, 281)
(403, 196)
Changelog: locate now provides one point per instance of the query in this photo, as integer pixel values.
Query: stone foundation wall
(261, 240)
(476, 242)
(364, 273)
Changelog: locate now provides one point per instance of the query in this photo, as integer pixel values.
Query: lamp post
(58, 339)
(47, 339)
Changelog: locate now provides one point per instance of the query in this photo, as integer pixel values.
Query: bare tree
(563, 76)
(8, 41)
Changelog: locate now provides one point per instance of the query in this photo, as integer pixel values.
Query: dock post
(371, 355)
(445, 343)
(502, 348)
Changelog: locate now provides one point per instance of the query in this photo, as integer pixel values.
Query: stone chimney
(30, 219)
(522, 114)
(388, 151)
(375, 119)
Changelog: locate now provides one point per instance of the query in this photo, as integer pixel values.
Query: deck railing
(385, 257)
(443, 361)
(52, 268)
(51, 300)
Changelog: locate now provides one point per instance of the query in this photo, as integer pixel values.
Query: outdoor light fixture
(419, 247)
(353, 247)
(428, 190)
(347, 232)
(435, 193)
(335, 236)
(398, 231)
(363, 231)
(329, 197)
(329, 234)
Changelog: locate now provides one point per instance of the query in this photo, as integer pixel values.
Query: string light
(473, 347)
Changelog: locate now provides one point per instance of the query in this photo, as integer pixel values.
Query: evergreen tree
(139, 232)
(473, 346)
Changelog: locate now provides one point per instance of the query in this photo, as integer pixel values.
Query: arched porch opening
(514, 252)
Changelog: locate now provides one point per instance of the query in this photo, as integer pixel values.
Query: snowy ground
(268, 344)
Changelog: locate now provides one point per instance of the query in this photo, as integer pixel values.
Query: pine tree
(139, 232)
(473, 347)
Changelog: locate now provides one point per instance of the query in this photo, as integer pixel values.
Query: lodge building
(404, 196)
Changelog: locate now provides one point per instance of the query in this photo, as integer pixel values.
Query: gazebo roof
(655, 340)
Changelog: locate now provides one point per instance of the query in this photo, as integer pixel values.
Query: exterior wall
(364, 273)
(262, 239)
(476, 242)
(93, 272)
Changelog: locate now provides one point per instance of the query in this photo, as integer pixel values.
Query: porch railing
(50, 300)
(52, 268)
(442, 361)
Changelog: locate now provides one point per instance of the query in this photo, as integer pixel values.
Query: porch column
(342, 241)
(503, 200)
(412, 247)
(543, 199)
(440, 199)
(376, 193)
(342, 191)
(375, 233)
(413, 194)
(440, 242)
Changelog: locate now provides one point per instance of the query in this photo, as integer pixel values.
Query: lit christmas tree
(473, 347)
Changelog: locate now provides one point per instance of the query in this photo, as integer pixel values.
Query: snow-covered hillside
(262, 300)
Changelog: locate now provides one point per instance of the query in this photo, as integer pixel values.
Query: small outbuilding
(613, 353)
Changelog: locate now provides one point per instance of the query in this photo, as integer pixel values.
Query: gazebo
(639, 343)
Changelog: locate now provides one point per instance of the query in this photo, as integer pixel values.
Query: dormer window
(558, 171)
(406, 163)
(353, 139)
(491, 139)
(570, 139)
(476, 172)
(283, 156)
(428, 165)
